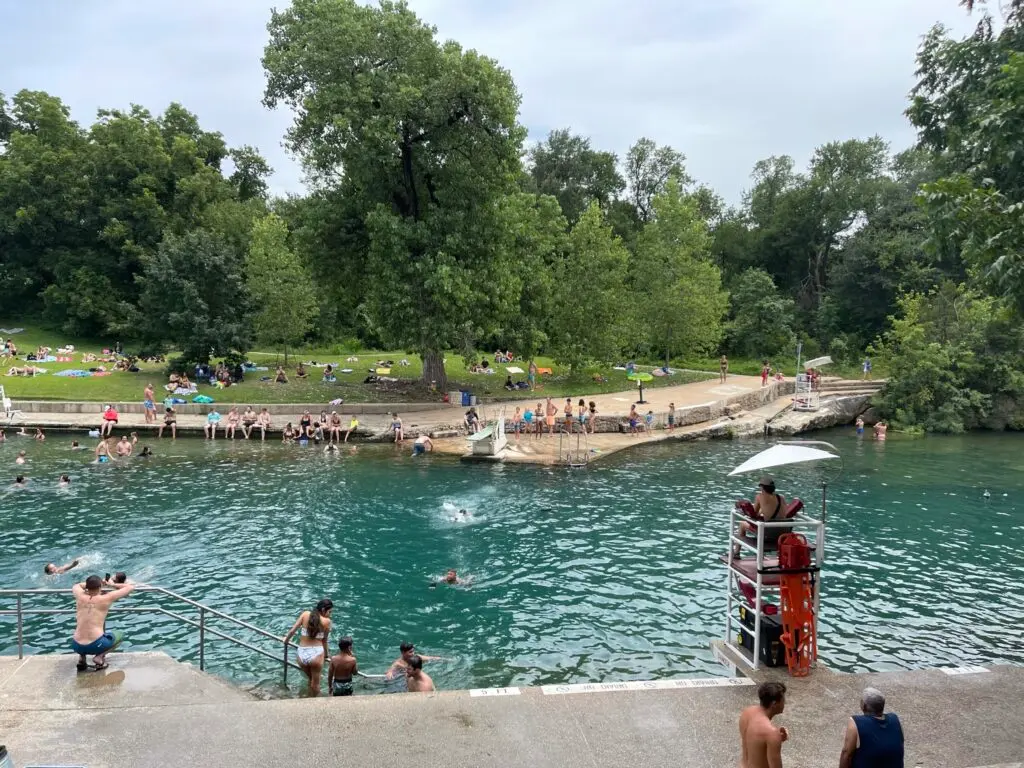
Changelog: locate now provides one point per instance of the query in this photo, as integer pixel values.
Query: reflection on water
(610, 573)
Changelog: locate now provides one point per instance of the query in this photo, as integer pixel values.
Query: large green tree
(283, 294)
(589, 312)
(423, 137)
(682, 304)
(762, 321)
(192, 295)
(566, 167)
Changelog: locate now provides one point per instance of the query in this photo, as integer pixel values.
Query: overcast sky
(727, 82)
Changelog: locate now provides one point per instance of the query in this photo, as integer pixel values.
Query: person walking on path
(313, 628)
(149, 404)
(760, 741)
(723, 369)
(873, 739)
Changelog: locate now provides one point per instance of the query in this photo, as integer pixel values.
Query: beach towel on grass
(202, 399)
(73, 373)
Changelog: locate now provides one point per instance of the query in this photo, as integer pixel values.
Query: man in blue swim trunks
(91, 636)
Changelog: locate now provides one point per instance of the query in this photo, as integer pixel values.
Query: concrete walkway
(145, 710)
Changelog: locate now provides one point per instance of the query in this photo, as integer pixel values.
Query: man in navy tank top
(873, 739)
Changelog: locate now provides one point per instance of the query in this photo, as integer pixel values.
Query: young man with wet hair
(761, 741)
(52, 569)
(416, 680)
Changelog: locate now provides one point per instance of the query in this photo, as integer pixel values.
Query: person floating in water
(21, 481)
(91, 636)
(402, 662)
(416, 680)
(52, 569)
(452, 578)
(342, 668)
(64, 481)
(21, 458)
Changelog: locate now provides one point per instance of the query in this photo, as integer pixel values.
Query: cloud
(727, 82)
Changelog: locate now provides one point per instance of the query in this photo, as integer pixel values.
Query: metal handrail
(20, 611)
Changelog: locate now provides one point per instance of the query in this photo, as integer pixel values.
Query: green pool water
(609, 573)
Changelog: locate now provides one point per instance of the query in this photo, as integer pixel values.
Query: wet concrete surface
(161, 714)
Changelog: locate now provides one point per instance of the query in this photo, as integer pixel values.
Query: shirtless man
(124, 447)
(149, 403)
(400, 664)
(52, 569)
(343, 667)
(416, 680)
(761, 741)
(91, 635)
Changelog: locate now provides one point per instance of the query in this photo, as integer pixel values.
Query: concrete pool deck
(147, 710)
(703, 410)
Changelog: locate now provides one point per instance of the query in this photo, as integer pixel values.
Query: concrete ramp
(50, 682)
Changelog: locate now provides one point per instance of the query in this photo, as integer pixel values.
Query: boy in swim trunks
(671, 416)
(91, 636)
(342, 668)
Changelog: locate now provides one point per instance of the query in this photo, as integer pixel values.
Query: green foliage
(588, 314)
(428, 139)
(565, 167)
(192, 295)
(682, 303)
(282, 292)
(762, 321)
(648, 171)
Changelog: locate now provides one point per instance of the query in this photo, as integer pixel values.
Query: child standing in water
(342, 668)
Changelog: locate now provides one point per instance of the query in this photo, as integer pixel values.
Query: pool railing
(200, 622)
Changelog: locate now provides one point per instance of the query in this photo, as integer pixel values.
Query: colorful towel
(73, 373)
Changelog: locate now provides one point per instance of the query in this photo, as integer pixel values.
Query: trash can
(455, 398)
(465, 397)
(472, 399)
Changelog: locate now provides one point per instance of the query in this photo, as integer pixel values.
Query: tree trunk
(285, 355)
(434, 375)
(667, 356)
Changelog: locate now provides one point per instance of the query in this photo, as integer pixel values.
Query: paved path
(148, 711)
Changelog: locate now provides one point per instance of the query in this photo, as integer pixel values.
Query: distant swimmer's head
(65, 479)
(50, 569)
(20, 480)
(345, 644)
(74, 443)
(93, 583)
(451, 577)
(120, 577)
(464, 512)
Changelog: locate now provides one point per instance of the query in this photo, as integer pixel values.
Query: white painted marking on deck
(966, 670)
(724, 660)
(645, 685)
(494, 692)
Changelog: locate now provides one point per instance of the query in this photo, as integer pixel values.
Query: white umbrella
(817, 362)
(783, 453)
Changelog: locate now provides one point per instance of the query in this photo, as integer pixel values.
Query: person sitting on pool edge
(91, 636)
(399, 665)
(342, 668)
(52, 569)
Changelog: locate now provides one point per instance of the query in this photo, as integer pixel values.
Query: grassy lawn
(122, 386)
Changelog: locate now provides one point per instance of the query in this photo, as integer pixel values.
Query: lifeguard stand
(805, 397)
(754, 631)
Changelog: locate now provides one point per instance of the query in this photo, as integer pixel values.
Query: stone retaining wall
(201, 409)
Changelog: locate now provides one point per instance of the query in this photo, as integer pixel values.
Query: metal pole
(21, 650)
(284, 677)
(799, 349)
(202, 638)
(824, 493)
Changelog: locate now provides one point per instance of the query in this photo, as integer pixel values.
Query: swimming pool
(610, 573)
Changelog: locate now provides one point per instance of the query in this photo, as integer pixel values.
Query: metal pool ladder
(202, 619)
(581, 457)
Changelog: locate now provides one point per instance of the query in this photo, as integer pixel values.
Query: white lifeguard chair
(8, 413)
(491, 440)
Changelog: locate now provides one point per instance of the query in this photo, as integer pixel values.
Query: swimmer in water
(21, 458)
(124, 448)
(21, 482)
(120, 578)
(402, 662)
(64, 482)
(75, 446)
(860, 425)
(422, 445)
(52, 569)
(146, 452)
(102, 452)
(342, 667)
(452, 578)
(330, 448)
